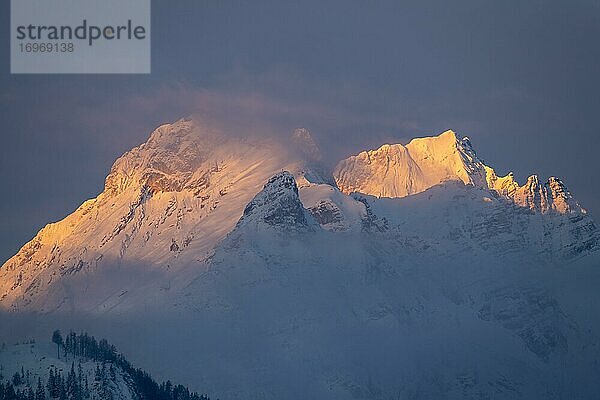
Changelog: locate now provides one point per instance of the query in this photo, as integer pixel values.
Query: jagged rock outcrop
(503, 185)
(278, 206)
(327, 214)
(550, 196)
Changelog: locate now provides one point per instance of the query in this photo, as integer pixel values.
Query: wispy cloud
(343, 117)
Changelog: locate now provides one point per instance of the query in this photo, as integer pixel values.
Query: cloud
(342, 117)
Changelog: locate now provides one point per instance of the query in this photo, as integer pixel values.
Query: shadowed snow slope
(415, 314)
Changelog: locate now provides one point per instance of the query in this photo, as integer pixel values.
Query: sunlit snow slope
(165, 205)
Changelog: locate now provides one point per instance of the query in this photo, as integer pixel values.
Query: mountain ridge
(396, 170)
(168, 202)
(290, 286)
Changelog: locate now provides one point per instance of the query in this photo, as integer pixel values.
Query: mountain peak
(395, 170)
(449, 135)
(446, 140)
(171, 198)
(277, 205)
(166, 160)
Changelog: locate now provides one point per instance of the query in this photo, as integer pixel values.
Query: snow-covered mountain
(165, 205)
(411, 271)
(398, 171)
(466, 306)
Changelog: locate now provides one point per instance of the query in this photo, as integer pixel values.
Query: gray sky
(520, 78)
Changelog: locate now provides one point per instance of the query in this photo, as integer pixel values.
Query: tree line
(75, 386)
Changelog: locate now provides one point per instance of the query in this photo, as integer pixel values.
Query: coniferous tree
(98, 373)
(16, 379)
(40, 392)
(70, 382)
(76, 385)
(54, 383)
(50, 383)
(62, 390)
(80, 374)
(72, 386)
(86, 390)
(9, 392)
(30, 394)
(103, 372)
(57, 338)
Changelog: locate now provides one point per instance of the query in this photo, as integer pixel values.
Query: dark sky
(520, 78)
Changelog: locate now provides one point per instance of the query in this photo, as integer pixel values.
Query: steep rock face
(166, 162)
(278, 206)
(375, 172)
(533, 195)
(398, 171)
(533, 315)
(332, 209)
(551, 196)
(503, 185)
